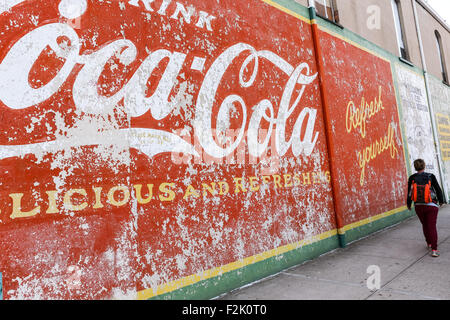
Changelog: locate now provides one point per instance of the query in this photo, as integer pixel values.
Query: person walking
(425, 192)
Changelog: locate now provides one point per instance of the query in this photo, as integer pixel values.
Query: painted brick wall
(179, 149)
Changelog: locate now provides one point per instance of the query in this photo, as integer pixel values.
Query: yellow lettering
(17, 211)
(357, 117)
(277, 181)
(126, 196)
(166, 189)
(328, 176)
(297, 180)
(207, 188)
(306, 178)
(52, 207)
(254, 180)
(288, 181)
(222, 184)
(190, 191)
(68, 200)
(239, 185)
(266, 179)
(316, 178)
(98, 203)
(371, 152)
(140, 199)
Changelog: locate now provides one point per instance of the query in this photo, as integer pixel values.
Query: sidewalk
(408, 272)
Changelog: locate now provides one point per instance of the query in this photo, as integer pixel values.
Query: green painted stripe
(364, 230)
(226, 282)
(213, 287)
(291, 5)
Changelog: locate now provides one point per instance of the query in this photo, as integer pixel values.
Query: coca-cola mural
(366, 148)
(149, 145)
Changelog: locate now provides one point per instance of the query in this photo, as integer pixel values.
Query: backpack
(421, 189)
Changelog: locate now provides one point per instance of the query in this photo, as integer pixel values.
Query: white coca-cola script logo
(17, 93)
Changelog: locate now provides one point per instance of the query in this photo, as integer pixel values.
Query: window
(441, 56)
(403, 51)
(327, 9)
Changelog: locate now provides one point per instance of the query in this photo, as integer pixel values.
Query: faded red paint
(363, 188)
(121, 248)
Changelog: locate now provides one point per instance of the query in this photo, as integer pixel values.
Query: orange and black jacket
(423, 178)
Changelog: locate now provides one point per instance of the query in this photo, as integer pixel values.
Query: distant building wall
(428, 26)
(440, 97)
(358, 15)
(416, 117)
(354, 15)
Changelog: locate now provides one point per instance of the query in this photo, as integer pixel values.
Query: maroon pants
(428, 217)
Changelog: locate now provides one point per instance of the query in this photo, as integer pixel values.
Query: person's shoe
(429, 247)
(435, 253)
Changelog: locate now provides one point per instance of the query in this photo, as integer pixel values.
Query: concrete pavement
(407, 270)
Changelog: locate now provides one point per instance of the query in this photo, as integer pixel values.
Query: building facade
(178, 149)
(391, 24)
(411, 30)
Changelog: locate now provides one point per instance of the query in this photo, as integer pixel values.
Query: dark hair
(419, 164)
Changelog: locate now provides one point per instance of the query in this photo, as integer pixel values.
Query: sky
(442, 8)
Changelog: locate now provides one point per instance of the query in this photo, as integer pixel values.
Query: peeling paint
(147, 142)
